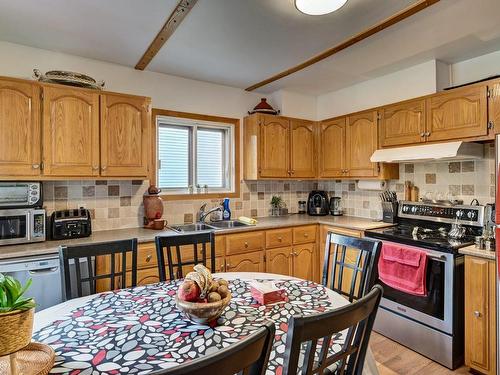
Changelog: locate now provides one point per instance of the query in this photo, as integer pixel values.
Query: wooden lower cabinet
(305, 261)
(251, 262)
(480, 319)
(279, 261)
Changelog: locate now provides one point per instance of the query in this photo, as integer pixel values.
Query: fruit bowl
(200, 312)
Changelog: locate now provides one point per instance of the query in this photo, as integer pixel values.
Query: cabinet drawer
(144, 277)
(304, 234)
(278, 238)
(251, 262)
(146, 256)
(245, 242)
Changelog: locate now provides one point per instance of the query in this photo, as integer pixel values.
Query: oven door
(436, 308)
(15, 226)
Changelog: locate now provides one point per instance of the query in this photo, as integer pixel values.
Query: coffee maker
(336, 206)
(317, 203)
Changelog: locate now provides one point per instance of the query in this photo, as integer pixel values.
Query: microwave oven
(22, 225)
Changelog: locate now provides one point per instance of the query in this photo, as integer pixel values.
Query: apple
(189, 291)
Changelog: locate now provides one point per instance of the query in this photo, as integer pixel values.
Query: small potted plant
(277, 205)
(16, 315)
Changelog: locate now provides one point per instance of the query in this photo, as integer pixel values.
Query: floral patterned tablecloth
(139, 330)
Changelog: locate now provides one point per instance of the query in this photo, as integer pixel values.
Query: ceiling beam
(392, 20)
(173, 22)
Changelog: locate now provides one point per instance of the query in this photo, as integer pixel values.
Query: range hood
(430, 152)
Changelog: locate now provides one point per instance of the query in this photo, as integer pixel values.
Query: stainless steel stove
(432, 325)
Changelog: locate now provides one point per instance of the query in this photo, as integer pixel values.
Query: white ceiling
(241, 42)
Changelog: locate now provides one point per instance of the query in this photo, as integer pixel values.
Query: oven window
(13, 227)
(433, 303)
(15, 194)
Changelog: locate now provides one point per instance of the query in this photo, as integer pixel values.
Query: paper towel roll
(372, 185)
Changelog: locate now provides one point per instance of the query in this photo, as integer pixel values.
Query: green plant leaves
(11, 294)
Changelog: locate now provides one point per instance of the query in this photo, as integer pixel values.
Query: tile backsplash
(118, 204)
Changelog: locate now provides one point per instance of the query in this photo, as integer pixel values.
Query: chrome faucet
(202, 215)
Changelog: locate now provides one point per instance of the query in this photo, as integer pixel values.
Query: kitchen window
(195, 157)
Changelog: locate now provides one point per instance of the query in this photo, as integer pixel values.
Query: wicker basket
(203, 312)
(17, 327)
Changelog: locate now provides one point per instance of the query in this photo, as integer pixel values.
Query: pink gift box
(266, 292)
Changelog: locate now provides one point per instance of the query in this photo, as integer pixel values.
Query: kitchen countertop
(148, 235)
(474, 251)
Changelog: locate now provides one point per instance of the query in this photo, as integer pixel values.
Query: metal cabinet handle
(295, 254)
(477, 314)
(427, 134)
(246, 244)
(148, 258)
(280, 239)
(103, 168)
(306, 235)
(95, 168)
(35, 166)
(422, 134)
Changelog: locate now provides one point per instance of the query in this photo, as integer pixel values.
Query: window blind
(210, 154)
(173, 154)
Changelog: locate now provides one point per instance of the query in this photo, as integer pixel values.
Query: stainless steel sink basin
(227, 224)
(192, 227)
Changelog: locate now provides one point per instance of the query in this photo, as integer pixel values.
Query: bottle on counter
(226, 212)
(414, 194)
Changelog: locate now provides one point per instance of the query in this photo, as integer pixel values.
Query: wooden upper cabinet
(274, 146)
(361, 143)
(494, 107)
(70, 132)
(457, 114)
(125, 135)
(402, 123)
(20, 150)
(332, 153)
(303, 150)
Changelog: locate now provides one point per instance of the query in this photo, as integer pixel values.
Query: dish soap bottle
(226, 213)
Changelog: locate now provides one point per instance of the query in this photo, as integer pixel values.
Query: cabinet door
(304, 262)
(457, 114)
(251, 262)
(20, 149)
(125, 135)
(302, 145)
(70, 132)
(403, 124)
(274, 147)
(279, 261)
(479, 293)
(332, 153)
(361, 143)
(494, 107)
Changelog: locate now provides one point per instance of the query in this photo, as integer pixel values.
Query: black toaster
(67, 224)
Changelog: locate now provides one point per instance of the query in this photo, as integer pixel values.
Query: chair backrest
(181, 250)
(248, 357)
(309, 339)
(353, 261)
(95, 262)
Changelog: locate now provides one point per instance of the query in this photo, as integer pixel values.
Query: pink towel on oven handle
(403, 268)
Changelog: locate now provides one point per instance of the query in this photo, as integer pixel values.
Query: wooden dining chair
(307, 334)
(89, 265)
(352, 261)
(178, 251)
(247, 357)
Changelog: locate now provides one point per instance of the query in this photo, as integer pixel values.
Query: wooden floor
(393, 359)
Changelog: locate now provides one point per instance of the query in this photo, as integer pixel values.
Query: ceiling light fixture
(318, 7)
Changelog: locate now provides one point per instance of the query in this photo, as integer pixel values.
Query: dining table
(140, 330)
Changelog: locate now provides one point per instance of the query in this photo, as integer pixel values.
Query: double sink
(197, 227)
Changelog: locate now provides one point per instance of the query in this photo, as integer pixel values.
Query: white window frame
(228, 149)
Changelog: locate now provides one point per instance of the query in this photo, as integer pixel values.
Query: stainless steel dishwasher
(45, 271)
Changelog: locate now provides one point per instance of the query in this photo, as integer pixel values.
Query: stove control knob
(459, 214)
(414, 209)
(406, 208)
(471, 215)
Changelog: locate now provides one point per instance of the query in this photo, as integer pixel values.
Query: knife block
(389, 212)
